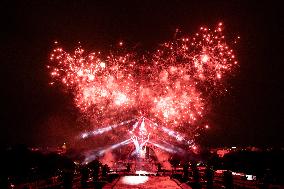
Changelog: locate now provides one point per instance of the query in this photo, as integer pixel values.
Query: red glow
(134, 180)
(170, 86)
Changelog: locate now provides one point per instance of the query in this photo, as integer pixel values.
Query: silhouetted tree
(104, 171)
(96, 169)
(4, 182)
(196, 176)
(68, 172)
(68, 178)
(185, 170)
(209, 174)
(228, 179)
(84, 176)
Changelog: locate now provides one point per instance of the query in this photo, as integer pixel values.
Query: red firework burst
(171, 87)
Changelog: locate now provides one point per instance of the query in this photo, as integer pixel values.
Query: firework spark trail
(170, 86)
(104, 129)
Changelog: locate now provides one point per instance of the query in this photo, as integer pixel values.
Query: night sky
(34, 113)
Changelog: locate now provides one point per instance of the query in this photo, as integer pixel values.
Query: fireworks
(173, 85)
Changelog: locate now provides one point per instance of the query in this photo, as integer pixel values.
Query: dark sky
(36, 114)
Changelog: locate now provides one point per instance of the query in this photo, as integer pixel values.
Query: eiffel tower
(142, 134)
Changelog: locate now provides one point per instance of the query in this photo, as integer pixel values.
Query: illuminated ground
(146, 182)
